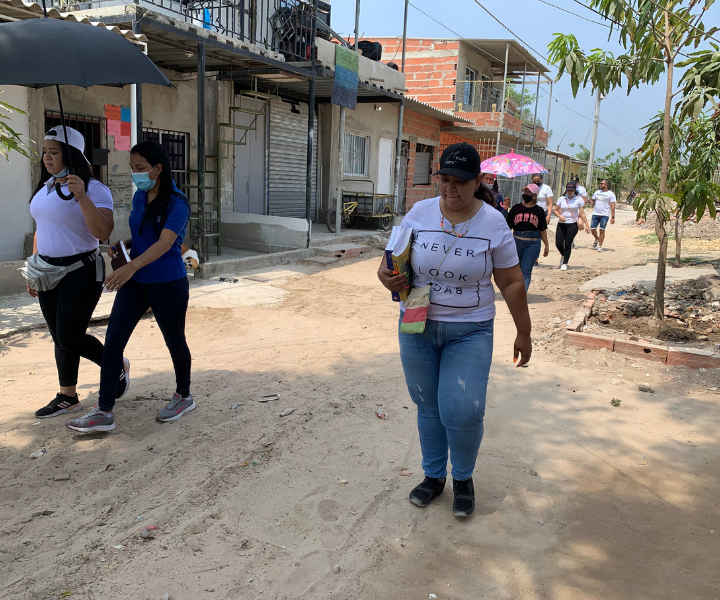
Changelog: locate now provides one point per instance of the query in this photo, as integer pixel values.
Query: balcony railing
(283, 26)
(477, 96)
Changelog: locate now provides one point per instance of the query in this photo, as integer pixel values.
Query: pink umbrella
(511, 165)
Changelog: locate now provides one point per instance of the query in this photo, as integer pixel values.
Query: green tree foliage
(9, 138)
(653, 34)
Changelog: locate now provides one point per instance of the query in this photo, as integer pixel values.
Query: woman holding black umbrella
(67, 236)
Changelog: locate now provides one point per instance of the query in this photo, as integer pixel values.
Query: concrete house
(236, 124)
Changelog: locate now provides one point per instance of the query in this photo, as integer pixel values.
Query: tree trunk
(659, 304)
(679, 230)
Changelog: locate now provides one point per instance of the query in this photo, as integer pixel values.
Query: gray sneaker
(95, 420)
(595, 244)
(176, 408)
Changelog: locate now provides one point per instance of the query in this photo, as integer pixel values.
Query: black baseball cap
(461, 161)
(571, 186)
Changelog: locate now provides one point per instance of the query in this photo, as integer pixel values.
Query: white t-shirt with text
(544, 193)
(61, 227)
(462, 289)
(602, 202)
(570, 208)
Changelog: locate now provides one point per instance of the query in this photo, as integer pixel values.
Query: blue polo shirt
(170, 266)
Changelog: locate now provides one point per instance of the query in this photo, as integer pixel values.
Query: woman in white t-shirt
(569, 209)
(460, 243)
(67, 233)
(544, 197)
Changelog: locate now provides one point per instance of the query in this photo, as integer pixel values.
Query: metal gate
(288, 159)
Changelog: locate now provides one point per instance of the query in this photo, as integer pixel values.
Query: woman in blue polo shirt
(154, 278)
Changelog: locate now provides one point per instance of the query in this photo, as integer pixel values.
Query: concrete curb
(692, 358)
(234, 265)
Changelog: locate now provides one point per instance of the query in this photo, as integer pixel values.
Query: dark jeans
(564, 236)
(528, 250)
(169, 302)
(67, 310)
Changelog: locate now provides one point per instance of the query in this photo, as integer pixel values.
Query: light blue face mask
(64, 173)
(143, 182)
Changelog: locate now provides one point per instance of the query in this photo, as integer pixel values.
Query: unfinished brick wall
(429, 78)
(485, 147)
(416, 126)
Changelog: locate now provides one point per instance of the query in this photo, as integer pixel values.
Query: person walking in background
(544, 196)
(570, 211)
(527, 220)
(67, 234)
(459, 244)
(604, 202)
(491, 185)
(154, 278)
(579, 189)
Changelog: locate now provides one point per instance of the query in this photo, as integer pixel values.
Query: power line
(512, 32)
(630, 108)
(612, 103)
(575, 14)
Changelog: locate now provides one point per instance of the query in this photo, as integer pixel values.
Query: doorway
(250, 159)
(385, 167)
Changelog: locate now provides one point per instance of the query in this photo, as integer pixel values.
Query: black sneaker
(60, 405)
(464, 501)
(123, 384)
(427, 491)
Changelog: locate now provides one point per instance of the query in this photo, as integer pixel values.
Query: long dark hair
(81, 167)
(157, 210)
(484, 194)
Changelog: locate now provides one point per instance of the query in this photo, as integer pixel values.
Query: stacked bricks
(427, 128)
(692, 358)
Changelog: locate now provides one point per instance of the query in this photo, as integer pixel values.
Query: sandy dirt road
(576, 499)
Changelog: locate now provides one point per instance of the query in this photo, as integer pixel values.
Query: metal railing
(477, 96)
(283, 26)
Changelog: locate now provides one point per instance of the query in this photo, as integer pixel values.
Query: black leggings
(169, 303)
(564, 236)
(67, 310)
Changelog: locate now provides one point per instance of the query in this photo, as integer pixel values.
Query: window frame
(365, 158)
(471, 77)
(426, 150)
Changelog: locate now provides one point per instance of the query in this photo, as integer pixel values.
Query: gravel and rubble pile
(706, 229)
(692, 309)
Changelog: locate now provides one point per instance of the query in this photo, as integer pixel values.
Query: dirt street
(576, 498)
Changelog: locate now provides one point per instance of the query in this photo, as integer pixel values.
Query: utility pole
(596, 122)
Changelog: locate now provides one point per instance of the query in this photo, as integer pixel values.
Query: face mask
(64, 173)
(143, 182)
(487, 185)
(527, 198)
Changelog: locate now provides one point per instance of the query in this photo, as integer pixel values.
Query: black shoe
(123, 384)
(464, 501)
(427, 491)
(60, 405)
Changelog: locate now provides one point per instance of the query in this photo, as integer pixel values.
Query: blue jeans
(601, 220)
(446, 371)
(528, 251)
(169, 303)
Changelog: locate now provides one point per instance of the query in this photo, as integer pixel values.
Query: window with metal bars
(355, 156)
(423, 164)
(93, 130)
(176, 143)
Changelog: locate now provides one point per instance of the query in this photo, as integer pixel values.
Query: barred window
(355, 156)
(423, 164)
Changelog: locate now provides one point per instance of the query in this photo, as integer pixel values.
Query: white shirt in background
(581, 191)
(602, 202)
(570, 208)
(61, 227)
(544, 193)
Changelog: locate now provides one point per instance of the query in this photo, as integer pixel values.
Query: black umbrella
(43, 52)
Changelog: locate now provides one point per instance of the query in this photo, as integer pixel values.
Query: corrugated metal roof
(17, 10)
(428, 110)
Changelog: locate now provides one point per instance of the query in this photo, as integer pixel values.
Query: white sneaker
(595, 244)
(563, 268)
(599, 248)
(562, 259)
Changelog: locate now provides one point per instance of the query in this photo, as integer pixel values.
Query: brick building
(466, 78)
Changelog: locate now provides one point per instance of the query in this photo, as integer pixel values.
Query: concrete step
(342, 250)
(321, 260)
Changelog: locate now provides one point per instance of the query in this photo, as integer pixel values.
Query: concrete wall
(163, 108)
(16, 175)
(263, 233)
(364, 120)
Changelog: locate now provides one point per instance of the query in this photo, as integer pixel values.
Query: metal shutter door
(422, 168)
(288, 160)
